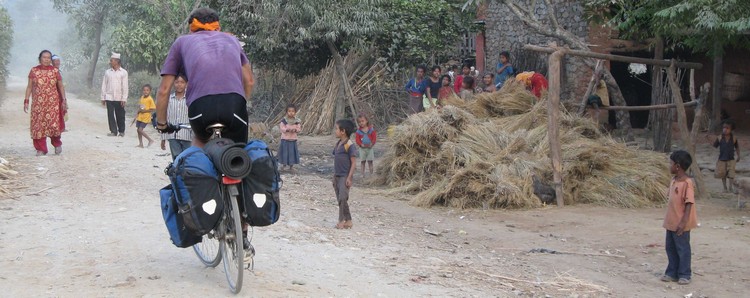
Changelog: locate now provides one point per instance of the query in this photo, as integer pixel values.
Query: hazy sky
(36, 26)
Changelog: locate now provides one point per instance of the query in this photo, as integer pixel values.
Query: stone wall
(506, 32)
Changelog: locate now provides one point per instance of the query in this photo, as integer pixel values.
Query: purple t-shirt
(212, 62)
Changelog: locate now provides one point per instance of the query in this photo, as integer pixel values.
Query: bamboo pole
(649, 108)
(703, 192)
(718, 82)
(690, 65)
(684, 132)
(553, 116)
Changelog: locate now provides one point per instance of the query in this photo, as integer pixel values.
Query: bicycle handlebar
(172, 128)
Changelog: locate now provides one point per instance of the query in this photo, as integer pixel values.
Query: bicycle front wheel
(232, 251)
(208, 250)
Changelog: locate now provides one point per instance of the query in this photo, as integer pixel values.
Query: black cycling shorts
(228, 109)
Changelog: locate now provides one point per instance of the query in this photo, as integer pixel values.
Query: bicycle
(228, 233)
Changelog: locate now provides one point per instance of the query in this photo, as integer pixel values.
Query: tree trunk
(595, 77)
(661, 121)
(348, 93)
(97, 46)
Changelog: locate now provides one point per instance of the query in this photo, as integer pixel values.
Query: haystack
(6, 174)
(484, 153)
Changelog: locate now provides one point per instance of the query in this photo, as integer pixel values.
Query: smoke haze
(36, 26)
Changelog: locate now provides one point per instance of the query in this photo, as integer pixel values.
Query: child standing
(366, 137)
(680, 219)
(416, 87)
(504, 70)
(465, 72)
(344, 165)
(433, 88)
(146, 107)
(467, 90)
(290, 126)
(727, 145)
(445, 91)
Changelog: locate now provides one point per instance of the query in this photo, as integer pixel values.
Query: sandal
(667, 278)
(340, 225)
(683, 281)
(58, 150)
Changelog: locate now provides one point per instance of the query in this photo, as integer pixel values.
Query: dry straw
(483, 153)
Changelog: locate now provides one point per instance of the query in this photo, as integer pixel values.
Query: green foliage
(6, 40)
(419, 30)
(696, 24)
(151, 28)
(144, 44)
(293, 35)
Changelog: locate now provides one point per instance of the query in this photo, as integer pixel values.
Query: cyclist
(221, 81)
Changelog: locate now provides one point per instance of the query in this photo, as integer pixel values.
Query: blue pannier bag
(180, 235)
(260, 189)
(196, 186)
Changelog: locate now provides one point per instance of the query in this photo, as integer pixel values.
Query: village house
(504, 31)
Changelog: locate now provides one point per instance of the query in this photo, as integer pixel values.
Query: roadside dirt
(88, 223)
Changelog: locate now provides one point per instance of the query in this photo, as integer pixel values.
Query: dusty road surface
(87, 223)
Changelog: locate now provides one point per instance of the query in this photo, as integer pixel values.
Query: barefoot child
(146, 106)
(290, 126)
(680, 219)
(344, 165)
(727, 145)
(366, 137)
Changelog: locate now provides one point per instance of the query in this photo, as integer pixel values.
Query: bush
(136, 80)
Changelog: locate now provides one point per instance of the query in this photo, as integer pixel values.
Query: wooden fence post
(553, 121)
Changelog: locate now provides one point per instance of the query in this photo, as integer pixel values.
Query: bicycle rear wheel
(232, 251)
(208, 250)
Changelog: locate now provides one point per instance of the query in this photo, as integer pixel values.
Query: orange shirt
(681, 193)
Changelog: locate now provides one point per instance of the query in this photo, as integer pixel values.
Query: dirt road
(88, 223)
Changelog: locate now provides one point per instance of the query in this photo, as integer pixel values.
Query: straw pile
(484, 153)
(6, 174)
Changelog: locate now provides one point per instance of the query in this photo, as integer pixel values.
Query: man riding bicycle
(221, 81)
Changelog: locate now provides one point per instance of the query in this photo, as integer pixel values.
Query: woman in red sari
(45, 84)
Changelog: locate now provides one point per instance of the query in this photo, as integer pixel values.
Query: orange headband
(196, 25)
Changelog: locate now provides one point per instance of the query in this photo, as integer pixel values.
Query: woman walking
(46, 88)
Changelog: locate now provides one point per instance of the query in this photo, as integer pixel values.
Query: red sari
(46, 106)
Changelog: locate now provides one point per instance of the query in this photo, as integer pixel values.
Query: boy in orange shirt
(680, 219)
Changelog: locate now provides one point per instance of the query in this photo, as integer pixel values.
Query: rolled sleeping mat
(229, 158)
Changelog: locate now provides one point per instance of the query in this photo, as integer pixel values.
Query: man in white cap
(115, 95)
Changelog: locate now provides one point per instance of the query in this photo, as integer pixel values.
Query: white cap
(115, 56)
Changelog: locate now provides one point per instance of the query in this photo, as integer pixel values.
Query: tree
(154, 25)
(696, 24)
(422, 30)
(91, 17)
(291, 28)
(6, 40)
